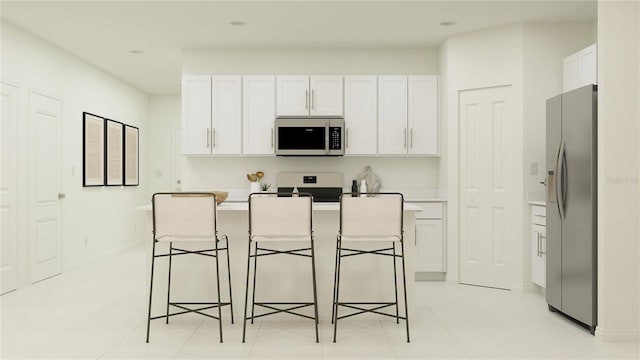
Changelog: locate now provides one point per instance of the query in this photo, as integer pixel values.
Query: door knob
(61, 196)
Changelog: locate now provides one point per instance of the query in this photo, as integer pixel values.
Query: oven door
(302, 137)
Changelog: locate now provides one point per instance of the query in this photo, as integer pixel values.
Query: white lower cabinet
(538, 246)
(430, 238)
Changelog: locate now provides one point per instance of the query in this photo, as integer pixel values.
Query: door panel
(360, 115)
(226, 118)
(258, 114)
(484, 187)
(392, 115)
(554, 225)
(8, 248)
(45, 235)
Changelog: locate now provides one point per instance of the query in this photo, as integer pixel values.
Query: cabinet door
(538, 255)
(392, 115)
(570, 73)
(423, 115)
(226, 119)
(258, 114)
(360, 115)
(293, 96)
(429, 246)
(326, 97)
(196, 115)
(587, 66)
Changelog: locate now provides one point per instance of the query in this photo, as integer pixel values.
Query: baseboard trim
(430, 276)
(617, 335)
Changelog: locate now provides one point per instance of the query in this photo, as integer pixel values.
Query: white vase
(254, 187)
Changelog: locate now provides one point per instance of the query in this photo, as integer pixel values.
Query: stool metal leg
(153, 261)
(229, 273)
(255, 274)
(404, 284)
(315, 292)
(335, 303)
(395, 282)
(169, 282)
(246, 293)
(218, 285)
(335, 277)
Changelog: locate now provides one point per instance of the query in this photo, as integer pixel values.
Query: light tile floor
(98, 311)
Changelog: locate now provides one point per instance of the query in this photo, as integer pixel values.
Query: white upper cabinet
(258, 114)
(326, 97)
(211, 115)
(196, 115)
(587, 66)
(392, 115)
(226, 118)
(423, 115)
(304, 96)
(580, 69)
(360, 115)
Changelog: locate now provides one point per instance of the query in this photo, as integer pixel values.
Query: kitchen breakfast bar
(281, 277)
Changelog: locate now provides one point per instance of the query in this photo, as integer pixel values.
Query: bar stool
(187, 218)
(285, 219)
(377, 218)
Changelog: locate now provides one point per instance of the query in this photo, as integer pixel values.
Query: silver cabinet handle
(61, 196)
(272, 138)
(538, 245)
(411, 138)
(542, 237)
(208, 138)
(214, 138)
(313, 95)
(405, 138)
(306, 99)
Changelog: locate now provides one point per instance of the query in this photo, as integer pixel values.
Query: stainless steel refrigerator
(571, 239)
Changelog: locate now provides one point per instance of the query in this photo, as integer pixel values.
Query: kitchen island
(281, 277)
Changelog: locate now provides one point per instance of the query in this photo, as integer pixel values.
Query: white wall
(101, 215)
(310, 62)
(488, 58)
(545, 46)
(618, 162)
(416, 173)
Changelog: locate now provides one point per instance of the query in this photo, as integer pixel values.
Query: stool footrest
(380, 305)
(297, 305)
(187, 310)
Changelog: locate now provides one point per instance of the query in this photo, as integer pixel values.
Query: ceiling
(104, 32)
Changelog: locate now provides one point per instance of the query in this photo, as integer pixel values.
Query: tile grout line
(121, 339)
(188, 338)
(446, 329)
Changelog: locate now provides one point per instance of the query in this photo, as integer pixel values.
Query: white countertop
(244, 206)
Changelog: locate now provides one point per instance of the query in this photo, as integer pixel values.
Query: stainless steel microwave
(309, 136)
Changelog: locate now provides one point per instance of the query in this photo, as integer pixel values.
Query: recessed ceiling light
(238, 23)
(136, 52)
(448, 23)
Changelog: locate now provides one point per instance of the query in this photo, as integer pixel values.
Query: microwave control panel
(335, 138)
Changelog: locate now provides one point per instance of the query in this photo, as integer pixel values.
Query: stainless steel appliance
(310, 136)
(571, 246)
(324, 186)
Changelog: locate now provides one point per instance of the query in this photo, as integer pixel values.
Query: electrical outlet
(533, 168)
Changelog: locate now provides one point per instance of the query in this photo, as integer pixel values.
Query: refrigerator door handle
(560, 180)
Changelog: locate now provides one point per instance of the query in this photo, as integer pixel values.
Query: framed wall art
(93, 148)
(131, 156)
(114, 152)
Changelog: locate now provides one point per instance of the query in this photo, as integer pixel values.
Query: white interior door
(8, 249)
(45, 161)
(484, 186)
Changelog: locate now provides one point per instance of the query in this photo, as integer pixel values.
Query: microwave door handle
(326, 138)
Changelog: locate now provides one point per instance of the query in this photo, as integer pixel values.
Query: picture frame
(131, 164)
(114, 164)
(93, 148)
